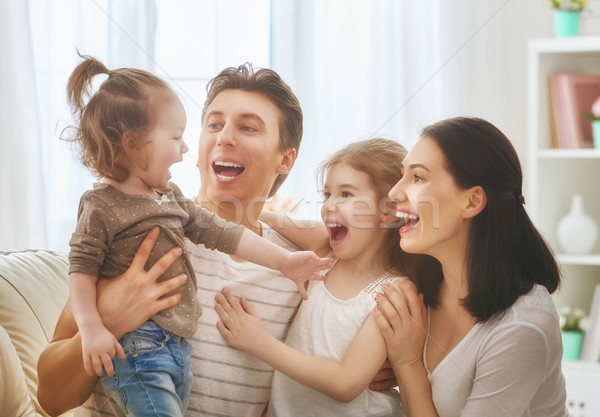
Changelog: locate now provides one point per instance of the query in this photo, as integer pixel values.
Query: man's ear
(476, 201)
(288, 157)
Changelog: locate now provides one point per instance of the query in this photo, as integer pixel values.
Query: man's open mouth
(227, 170)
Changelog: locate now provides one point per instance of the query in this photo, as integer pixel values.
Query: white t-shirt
(227, 381)
(509, 366)
(324, 327)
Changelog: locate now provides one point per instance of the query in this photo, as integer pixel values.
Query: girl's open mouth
(227, 170)
(337, 232)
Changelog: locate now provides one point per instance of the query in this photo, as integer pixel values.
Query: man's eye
(248, 129)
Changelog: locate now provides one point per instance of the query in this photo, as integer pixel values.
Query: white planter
(577, 232)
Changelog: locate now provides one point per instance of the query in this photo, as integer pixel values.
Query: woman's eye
(417, 178)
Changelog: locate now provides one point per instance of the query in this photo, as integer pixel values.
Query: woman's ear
(476, 201)
(288, 157)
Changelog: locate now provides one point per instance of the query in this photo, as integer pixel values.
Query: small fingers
(97, 365)
(108, 365)
(231, 303)
(248, 307)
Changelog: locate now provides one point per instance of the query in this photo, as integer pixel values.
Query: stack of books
(571, 96)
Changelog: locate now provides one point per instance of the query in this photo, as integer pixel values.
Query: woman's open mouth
(227, 170)
(337, 233)
(407, 217)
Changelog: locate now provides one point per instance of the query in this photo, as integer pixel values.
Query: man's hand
(384, 379)
(125, 302)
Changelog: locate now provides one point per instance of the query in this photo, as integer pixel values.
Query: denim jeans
(155, 378)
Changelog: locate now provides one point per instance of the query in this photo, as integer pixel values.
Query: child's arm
(306, 234)
(297, 266)
(242, 328)
(98, 344)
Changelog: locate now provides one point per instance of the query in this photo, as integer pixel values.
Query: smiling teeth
(228, 164)
(406, 216)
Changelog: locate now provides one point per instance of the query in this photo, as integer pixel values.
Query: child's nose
(184, 147)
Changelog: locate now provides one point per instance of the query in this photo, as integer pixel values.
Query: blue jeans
(155, 379)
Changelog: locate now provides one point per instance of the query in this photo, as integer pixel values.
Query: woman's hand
(125, 302)
(240, 324)
(402, 320)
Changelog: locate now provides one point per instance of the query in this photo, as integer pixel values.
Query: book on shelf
(590, 350)
(570, 97)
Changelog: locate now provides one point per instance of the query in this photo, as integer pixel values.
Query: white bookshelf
(554, 175)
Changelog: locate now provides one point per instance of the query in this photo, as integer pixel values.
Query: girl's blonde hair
(124, 104)
(380, 159)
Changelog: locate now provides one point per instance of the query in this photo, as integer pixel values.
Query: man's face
(239, 152)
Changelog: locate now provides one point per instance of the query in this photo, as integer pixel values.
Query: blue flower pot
(566, 23)
(571, 340)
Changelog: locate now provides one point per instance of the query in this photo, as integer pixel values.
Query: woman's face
(430, 202)
(239, 152)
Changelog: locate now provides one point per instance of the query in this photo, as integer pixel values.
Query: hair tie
(108, 72)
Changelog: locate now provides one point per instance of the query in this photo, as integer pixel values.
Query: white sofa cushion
(33, 290)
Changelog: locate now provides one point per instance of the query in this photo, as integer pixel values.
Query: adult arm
(123, 303)
(401, 317)
(342, 381)
(306, 234)
(511, 365)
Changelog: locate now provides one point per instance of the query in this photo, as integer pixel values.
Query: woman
(483, 338)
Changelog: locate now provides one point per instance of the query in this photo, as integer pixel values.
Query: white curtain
(365, 68)
(22, 207)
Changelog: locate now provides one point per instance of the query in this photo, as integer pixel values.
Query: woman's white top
(509, 366)
(324, 327)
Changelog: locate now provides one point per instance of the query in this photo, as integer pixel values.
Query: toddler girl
(129, 134)
(334, 348)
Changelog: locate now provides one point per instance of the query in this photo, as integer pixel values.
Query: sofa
(33, 289)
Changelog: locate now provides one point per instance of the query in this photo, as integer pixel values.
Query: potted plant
(566, 16)
(573, 324)
(594, 117)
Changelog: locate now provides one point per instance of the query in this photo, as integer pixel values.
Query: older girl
(334, 349)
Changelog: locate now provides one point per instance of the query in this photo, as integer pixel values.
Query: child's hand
(240, 325)
(302, 266)
(99, 346)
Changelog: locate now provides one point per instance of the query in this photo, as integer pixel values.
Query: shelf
(564, 259)
(569, 153)
(575, 44)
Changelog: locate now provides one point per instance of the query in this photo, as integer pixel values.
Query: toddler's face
(165, 145)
